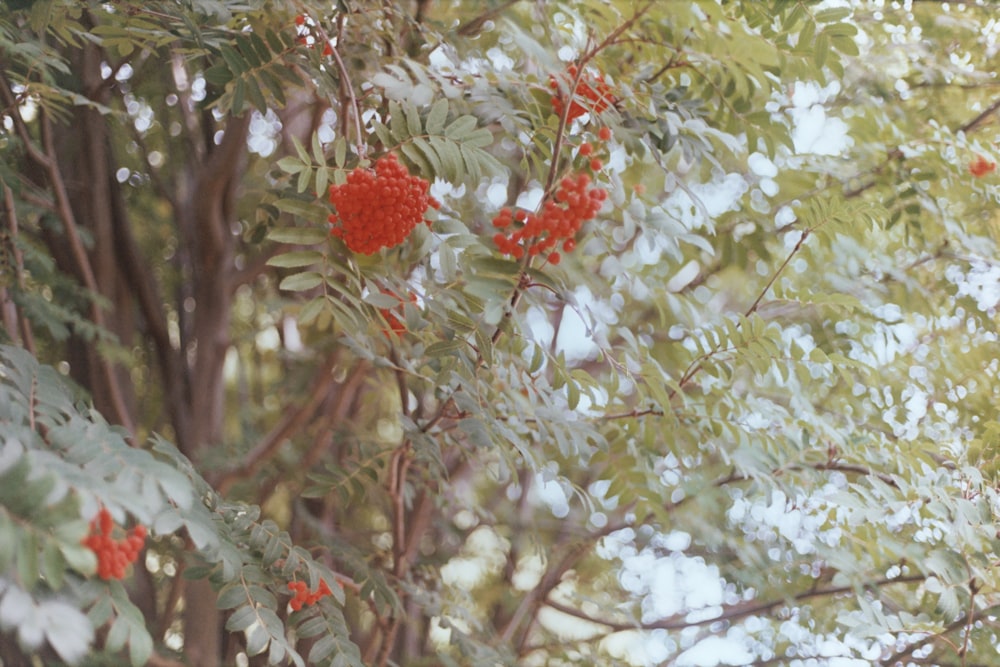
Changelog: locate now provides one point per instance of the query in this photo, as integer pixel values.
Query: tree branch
(979, 119)
(21, 324)
(291, 424)
(681, 621)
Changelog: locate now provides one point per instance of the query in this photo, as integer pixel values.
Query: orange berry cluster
(113, 556)
(981, 166)
(591, 87)
(378, 209)
(560, 219)
(306, 36)
(303, 597)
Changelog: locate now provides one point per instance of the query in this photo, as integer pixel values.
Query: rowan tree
(534, 333)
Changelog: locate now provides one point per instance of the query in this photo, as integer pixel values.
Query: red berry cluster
(590, 87)
(308, 38)
(561, 216)
(303, 597)
(560, 219)
(981, 166)
(113, 556)
(378, 209)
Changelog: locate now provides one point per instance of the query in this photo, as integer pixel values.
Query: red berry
(586, 149)
(300, 19)
(105, 522)
(981, 166)
(378, 209)
(604, 133)
(596, 165)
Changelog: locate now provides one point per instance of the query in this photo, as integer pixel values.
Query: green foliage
(749, 414)
(60, 462)
(449, 150)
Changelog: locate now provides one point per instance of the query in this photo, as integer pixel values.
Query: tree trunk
(205, 221)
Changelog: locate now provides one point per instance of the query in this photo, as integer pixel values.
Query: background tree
(692, 363)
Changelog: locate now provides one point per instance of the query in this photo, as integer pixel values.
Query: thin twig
(979, 119)
(752, 608)
(27, 337)
(798, 246)
(345, 81)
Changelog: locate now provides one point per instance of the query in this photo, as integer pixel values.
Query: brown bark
(205, 221)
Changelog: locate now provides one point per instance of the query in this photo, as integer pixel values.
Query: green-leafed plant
(498, 333)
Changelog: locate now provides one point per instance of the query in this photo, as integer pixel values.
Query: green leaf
(478, 138)
(9, 538)
(832, 15)
(27, 559)
(317, 149)
(218, 75)
(450, 158)
(296, 259)
(117, 635)
(239, 95)
(257, 639)
(101, 612)
(241, 619)
(461, 127)
(247, 50)
(437, 116)
(323, 648)
(821, 49)
(418, 152)
(291, 165)
(53, 566)
(140, 647)
(305, 177)
(231, 597)
(340, 152)
(413, 124)
(383, 134)
(321, 181)
(233, 59)
(310, 311)
(301, 151)
(256, 96)
(300, 282)
(306, 210)
(397, 123)
(445, 348)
